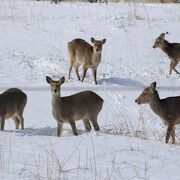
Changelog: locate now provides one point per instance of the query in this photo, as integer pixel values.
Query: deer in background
(104, 1)
(167, 109)
(171, 49)
(82, 53)
(84, 105)
(12, 104)
(55, 1)
(100, 1)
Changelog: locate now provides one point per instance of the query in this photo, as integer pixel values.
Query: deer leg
(73, 126)
(94, 72)
(169, 133)
(76, 70)
(2, 122)
(84, 73)
(93, 120)
(70, 69)
(173, 136)
(174, 65)
(21, 120)
(59, 128)
(16, 121)
(171, 67)
(87, 124)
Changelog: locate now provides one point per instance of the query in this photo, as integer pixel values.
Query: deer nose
(55, 90)
(97, 50)
(153, 46)
(136, 101)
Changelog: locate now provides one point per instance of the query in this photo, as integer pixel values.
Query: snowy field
(130, 144)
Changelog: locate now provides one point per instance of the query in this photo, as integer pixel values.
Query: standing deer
(55, 1)
(84, 105)
(82, 53)
(12, 104)
(167, 109)
(104, 1)
(171, 49)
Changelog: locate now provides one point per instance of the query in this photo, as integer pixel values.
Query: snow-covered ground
(130, 145)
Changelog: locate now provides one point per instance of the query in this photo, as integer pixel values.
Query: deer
(100, 1)
(104, 1)
(55, 1)
(167, 109)
(84, 105)
(12, 104)
(82, 53)
(171, 49)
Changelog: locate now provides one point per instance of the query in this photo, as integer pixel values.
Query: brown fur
(55, 1)
(84, 105)
(82, 53)
(102, 1)
(12, 104)
(171, 49)
(167, 109)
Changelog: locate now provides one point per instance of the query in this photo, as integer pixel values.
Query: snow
(130, 144)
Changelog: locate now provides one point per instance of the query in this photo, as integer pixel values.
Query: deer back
(77, 106)
(80, 50)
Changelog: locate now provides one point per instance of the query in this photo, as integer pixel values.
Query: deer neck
(56, 99)
(96, 58)
(166, 47)
(156, 104)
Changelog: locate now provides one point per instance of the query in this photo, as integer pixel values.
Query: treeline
(101, 1)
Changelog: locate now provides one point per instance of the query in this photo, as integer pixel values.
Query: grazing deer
(171, 49)
(84, 105)
(95, 1)
(12, 104)
(167, 109)
(82, 53)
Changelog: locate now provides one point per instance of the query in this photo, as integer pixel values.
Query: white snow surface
(130, 144)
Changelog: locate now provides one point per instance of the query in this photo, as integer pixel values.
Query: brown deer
(12, 104)
(55, 1)
(84, 105)
(82, 53)
(167, 109)
(102, 1)
(171, 49)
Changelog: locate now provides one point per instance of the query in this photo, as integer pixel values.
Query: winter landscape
(131, 142)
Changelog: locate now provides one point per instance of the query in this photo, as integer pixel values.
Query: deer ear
(162, 36)
(62, 80)
(103, 41)
(92, 40)
(48, 79)
(153, 86)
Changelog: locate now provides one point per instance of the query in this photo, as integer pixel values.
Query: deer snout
(98, 50)
(154, 46)
(55, 91)
(137, 101)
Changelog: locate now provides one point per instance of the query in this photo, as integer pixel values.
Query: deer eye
(144, 94)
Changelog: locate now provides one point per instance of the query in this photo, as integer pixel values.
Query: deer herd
(86, 105)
